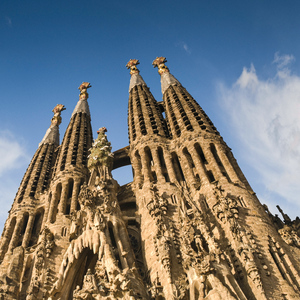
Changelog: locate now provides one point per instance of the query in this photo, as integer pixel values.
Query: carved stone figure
(289, 236)
(101, 158)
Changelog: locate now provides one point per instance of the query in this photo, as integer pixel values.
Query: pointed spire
(136, 78)
(52, 134)
(82, 105)
(167, 79)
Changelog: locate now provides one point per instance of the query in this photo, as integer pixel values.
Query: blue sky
(239, 60)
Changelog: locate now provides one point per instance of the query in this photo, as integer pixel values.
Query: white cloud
(11, 152)
(265, 116)
(282, 61)
(13, 159)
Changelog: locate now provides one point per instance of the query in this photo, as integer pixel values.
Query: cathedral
(188, 226)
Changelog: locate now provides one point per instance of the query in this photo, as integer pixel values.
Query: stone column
(227, 164)
(122, 252)
(137, 170)
(199, 165)
(145, 168)
(27, 234)
(75, 193)
(16, 234)
(187, 171)
(159, 173)
(213, 164)
(124, 239)
(63, 198)
(169, 166)
(6, 239)
(53, 205)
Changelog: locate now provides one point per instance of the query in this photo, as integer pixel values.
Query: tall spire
(71, 165)
(38, 173)
(144, 114)
(31, 192)
(52, 134)
(183, 113)
(78, 136)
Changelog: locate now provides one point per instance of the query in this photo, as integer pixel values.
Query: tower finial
(166, 78)
(132, 66)
(136, 78)
(159, 62)
(52, 134)
(56, 120)
(83, 93)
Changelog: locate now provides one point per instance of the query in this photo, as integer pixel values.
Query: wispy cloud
(8, 21)
(13, 159)
(11, 152)
(265, 117)
(184, 46)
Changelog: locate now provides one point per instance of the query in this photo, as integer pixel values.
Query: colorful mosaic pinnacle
(159, 62)
(132, 66)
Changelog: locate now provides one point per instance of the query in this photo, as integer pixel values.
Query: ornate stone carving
(159, 62)
(49, 241)
(226, 210)
(157, 207)
(132, 66)
(56, 120)
(156, 290)
(289, 236)
(9, 284)
(101, 158)
(83, 90)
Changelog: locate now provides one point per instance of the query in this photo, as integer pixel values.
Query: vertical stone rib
(158, 166)
(73, 146)
(34, 182)
(213, 164)
(75, 193)
(178, 108)
(145, 167)
(197, 116)
(63, 198)
(137, 167)
(27, 234)
(16, 234)
(172, 115)
(47, 168)
(27, 176)
(61, 160)
(199, 165)
(227, 164)
(131, 122)
(5, 241)
(170, 167)
(187, 169)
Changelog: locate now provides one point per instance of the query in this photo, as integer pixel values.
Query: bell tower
(26, 217)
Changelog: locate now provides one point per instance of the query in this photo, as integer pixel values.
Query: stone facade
(189, 226)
